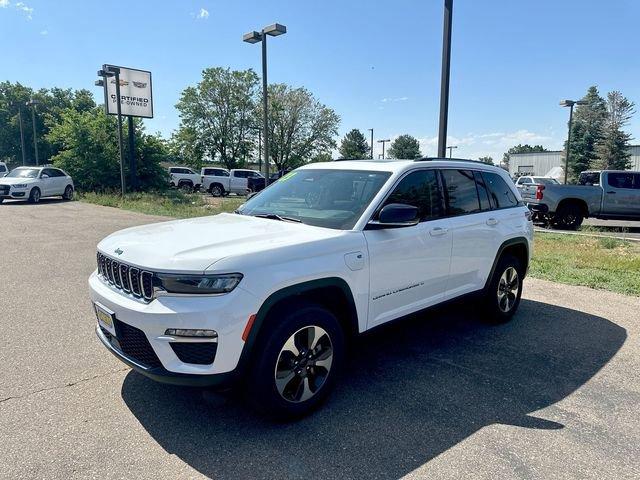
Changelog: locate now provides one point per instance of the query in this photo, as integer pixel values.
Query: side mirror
(44, 175)
(395, 215)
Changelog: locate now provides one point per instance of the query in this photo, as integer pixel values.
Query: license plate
(105, 318)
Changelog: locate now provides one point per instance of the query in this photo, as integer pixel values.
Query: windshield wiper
(275, 216)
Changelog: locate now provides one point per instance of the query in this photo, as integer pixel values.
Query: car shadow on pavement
(43, 201)
(410, 391)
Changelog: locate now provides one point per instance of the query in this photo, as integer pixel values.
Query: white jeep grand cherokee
(268, 296)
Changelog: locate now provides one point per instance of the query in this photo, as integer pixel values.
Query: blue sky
(376, 63)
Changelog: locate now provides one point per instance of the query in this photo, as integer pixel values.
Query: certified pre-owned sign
(135, 93)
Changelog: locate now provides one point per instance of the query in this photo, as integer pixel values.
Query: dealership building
(552, 163)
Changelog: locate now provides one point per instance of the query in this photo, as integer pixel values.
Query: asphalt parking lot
(553, 394)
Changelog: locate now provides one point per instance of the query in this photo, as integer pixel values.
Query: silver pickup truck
(607, 194)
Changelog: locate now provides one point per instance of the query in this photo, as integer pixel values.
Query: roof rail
(444, 159)
(351, 159)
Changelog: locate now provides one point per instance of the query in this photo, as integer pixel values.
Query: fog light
(184, 332)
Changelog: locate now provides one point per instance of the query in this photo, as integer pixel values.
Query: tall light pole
(22, 149)
(255, 37)
(444, 79)
(383, 142)
(33, 103)
(371, 155)
(570, 104)
(451, 149)
(109, 71)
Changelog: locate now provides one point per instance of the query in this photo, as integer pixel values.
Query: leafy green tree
(186, 148)
(354, 145)
(405, 147)
(586, 132)
(300, 127)
(87, 146)
(218, 113)
(613, 148)
(521, 149)
(51, 104)
(321, 157)
(487, 160)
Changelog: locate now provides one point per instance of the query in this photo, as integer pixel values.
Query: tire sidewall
(32, 195)
(217, 191)
(261, 387)
(493, 311)
(69, 195)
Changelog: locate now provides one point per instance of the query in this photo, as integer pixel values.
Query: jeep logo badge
(118, 251)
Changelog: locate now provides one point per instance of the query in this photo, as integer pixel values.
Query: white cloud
(44, 32)
(28, 11)
(394, 99)
(203, 15)
(4, 3)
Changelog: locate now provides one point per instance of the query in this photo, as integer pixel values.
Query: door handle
(492, 221)
(438, 231)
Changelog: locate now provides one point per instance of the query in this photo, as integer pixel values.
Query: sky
(376, 63)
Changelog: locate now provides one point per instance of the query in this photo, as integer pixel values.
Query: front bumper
(226, 314)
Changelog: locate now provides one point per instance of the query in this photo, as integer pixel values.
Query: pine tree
(405, 147)
(354, 145)
(587, 131)
(613, 149)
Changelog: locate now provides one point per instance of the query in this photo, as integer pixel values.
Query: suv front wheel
(502, 296)
(297, 363)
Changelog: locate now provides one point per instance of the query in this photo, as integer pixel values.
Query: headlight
(199, 284)
(20, 185)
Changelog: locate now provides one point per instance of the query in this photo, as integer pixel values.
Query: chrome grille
(130, 280)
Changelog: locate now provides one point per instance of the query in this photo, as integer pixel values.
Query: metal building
(542, 163)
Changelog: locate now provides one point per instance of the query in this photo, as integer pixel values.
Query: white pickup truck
(184, 178)
(220, 181)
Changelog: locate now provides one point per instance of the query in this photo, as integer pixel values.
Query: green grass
(602, 263)
(171, 203)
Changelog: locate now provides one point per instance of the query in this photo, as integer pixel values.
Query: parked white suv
(267, 297)
(34, 183)
(184, 178)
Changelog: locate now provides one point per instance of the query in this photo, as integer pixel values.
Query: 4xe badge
(118, 252)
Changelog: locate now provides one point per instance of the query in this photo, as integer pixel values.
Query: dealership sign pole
(127, 94)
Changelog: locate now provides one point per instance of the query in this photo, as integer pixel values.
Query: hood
(15, 180)
(194, 245)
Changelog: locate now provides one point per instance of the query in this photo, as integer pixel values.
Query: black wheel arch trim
(508, 243)
(291, 292)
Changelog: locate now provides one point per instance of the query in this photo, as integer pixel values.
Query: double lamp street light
(255, 37)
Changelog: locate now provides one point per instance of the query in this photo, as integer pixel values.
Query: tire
(304, 384)
(568, 217)
(186, 187)
(502, 296)
(35, 195)
(1, 200)
(216, 190)
(68, 193)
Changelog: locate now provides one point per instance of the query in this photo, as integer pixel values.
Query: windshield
(545, 181)
(323, 198)
(24, 173)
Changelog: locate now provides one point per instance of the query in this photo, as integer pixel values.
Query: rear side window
(222, 173)
(483, 191)
(620, 179)
(460, 192)
(636, 181)
(419, 189)
(3, 169)
(240, 174)
(500, 193)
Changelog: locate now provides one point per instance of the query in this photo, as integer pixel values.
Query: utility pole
(33, 103)
(383, 142)
(371, 155)
(132, 152)
(22, 149)
(444, 80)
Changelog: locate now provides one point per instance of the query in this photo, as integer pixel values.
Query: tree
(405, 147)
(88, 151)
(51, 105)
(613, 148)
(487, 160)
(354, 145)
(586, 132)
(300, 127)
(521, 149)
(218, 113)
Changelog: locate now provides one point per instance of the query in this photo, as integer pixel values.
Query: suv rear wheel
(216, 190)
(298, 362)
(502, 297)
